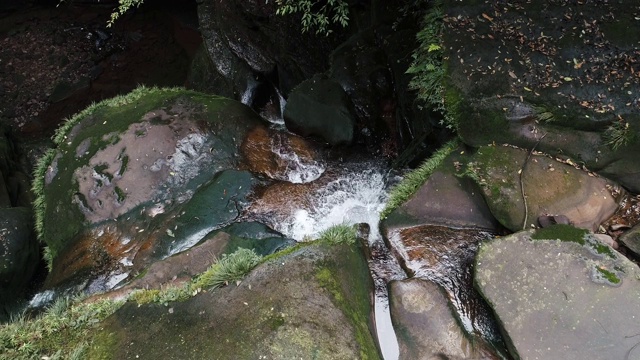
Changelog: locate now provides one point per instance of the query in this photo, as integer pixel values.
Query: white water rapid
(356, 195)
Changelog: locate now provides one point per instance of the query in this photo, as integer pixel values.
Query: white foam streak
(355, 197)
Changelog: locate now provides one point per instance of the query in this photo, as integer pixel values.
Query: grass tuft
(60, 332)
(412, 182)
(228, 269)
(618, 135)
(339, 234)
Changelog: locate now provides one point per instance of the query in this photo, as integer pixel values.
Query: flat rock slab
(313, 303)
(561, 300)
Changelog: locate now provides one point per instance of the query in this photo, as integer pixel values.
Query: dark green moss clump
(608, 275)
(561, 232)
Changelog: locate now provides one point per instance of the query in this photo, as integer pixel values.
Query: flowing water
(356, 194)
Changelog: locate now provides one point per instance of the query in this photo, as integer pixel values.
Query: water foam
(355, 196)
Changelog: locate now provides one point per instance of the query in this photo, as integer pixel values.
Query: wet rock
(362, 69)
(445, 256)
(19, 254)
(425, 325)
(320, 107)
(143, 179)
(281, 156)
(227, 76)
(550, 188)
(560, 299)
(514, 85)
(292, 306)
(445, 199)
(249, 34)
(631, 239)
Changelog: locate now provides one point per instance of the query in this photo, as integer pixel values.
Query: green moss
(351, 294)
(120, 194)
(561, 232)
(415, 179)
(124, 162)
(608, 275)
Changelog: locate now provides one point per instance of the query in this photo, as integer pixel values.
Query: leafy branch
(316, 15)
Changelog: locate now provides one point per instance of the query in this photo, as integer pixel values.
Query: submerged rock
(312, 303)
(550, 188)
(426, 326)
(558, 299)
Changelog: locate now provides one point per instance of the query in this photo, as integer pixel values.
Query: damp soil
(56, 60)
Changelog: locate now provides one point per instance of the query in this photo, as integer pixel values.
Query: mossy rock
(558, 299)
(311, 303)
(149, 173)
(550, 188)
(522, 80)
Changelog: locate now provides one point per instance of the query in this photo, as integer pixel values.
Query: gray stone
(555, 91)
(426, 327)
(19, 252)
(559, 299)
(631, 239)
(320, 107)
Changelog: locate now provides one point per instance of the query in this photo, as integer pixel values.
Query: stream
(356, 194)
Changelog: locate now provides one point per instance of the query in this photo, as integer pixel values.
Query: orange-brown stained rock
(261, 144)
(97, 251)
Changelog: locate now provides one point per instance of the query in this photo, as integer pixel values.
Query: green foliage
(427, 67)
(412, 182)
(543, 115)
(230, 268)
(62, 331)
(123, 7)
(339, 234)
(316, 15)
(618, 135)
(38, 189)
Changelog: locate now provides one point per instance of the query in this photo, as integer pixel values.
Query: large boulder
(19, 254)
(445, 199)
(511, 178)
(314, 302)
(248, 35)
(139, 178)
(425, 325)
(559, 294)
(320, 107)
(516, 77)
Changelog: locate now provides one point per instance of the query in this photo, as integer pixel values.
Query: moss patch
(350, 293)
(561, 232)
